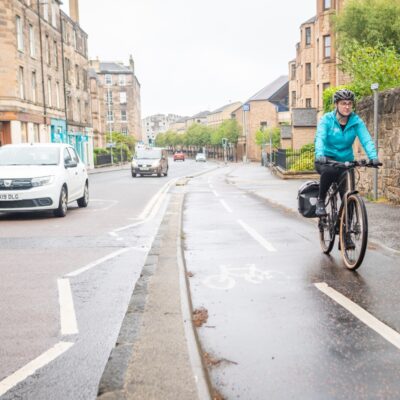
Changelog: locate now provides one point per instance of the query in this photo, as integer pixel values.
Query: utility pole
(109, 101)
(375, 87)
(246, 108)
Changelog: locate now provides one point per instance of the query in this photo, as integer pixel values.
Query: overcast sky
(193, 55)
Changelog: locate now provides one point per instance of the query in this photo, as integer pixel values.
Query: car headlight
(41, 181)
(134, 164)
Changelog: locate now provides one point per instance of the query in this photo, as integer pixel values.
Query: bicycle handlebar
(353, 164)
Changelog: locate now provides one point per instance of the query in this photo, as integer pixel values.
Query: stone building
(34, 90)
(119, 107)
(314, 69)
(155, 124)
(218, 116)
(261, 110)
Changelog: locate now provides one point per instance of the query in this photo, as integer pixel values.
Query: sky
(193, 55)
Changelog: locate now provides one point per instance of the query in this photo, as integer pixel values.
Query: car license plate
(8, 196)
(144, 168)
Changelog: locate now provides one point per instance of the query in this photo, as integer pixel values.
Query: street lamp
(246, 108)
(374, 88)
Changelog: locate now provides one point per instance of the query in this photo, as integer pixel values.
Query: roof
(201, 114)
(225, 106)
(268, 92)
(309, 21)
(114, 67)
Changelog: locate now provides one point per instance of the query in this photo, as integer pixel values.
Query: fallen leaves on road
(190, 274)
(200, 316)
(211, 361)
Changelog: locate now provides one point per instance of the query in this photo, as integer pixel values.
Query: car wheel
(84, 200)
(133, 174)
(166, 172)
(61, 211)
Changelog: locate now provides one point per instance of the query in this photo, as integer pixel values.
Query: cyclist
(334, 140)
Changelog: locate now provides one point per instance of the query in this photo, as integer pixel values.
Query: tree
(263, 137)
(370, 23)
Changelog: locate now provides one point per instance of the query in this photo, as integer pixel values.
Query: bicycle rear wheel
(354, 238)
(326, 226)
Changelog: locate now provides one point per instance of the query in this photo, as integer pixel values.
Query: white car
(45, 176)
(200, 157)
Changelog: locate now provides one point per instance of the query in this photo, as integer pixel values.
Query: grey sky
(192, 56)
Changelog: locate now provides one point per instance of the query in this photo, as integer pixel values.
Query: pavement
(157, 354)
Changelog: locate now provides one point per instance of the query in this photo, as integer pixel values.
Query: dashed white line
(69, 325)
(227, 208)
(364, 316)
(30, 368)
(97, 262)
(215, 193)
(253, 233)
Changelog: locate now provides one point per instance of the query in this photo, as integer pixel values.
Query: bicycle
(350, 222)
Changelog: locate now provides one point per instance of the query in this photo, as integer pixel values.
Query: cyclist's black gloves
(321, 160)
(375, 162)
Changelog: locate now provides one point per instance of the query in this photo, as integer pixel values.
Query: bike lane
(271, 332)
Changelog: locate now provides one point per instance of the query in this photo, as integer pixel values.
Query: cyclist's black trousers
(330, 174)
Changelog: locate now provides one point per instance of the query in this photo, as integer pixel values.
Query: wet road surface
(40, 254)
(271, 331)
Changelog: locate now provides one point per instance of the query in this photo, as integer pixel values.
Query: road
(284, 320)
(66, 283)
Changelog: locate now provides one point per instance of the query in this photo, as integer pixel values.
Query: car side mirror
(70, 164)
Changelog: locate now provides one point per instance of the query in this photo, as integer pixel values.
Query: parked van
(150, 161)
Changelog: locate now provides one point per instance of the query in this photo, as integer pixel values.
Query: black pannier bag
(307, 198)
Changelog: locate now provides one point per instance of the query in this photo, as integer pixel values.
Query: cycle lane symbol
(227, 276)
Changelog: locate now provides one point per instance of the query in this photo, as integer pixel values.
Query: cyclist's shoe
(349, 244)
(320, 210)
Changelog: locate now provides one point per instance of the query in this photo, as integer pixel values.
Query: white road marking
(255, 235)
(97, 262)
(69, 326)
(30, 368)
(227, 208)
(215, 193)
(113, 234)
(364, 316)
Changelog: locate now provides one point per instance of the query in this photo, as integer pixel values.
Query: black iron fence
(102, 159)
(294, 160)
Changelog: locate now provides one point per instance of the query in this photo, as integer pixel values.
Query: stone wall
(388, 144)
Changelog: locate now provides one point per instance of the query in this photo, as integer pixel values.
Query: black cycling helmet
(343, 94)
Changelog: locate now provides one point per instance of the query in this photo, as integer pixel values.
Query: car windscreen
(148, 154)
(29, 155)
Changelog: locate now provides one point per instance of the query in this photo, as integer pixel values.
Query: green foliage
(369, 23)
(303, 164)
(263, 136)
(308, 147)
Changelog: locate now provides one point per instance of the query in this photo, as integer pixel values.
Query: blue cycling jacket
(333, 142)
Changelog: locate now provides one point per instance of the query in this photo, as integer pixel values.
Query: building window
(325, 85)
(49, 101)
(122, 97)
(123, 115)
(293, 98)
(67, 68)
(47, 50)
(108, 79)
(78, 107)
(21, 83)
(77, 75)
(109, 99)
(32, 48)
(58, 97)
(327, 4)
(55, 54)
(308, 71)
(327, 46)
(74, 41)
(20, 33)
(122, 81)
(33, 87)
(124, 131)
(85, 79)
(46, 11)
(293, 71)
(308, 103)
(110, 116)
(308, 36)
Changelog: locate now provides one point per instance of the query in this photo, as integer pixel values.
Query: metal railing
(294, 160)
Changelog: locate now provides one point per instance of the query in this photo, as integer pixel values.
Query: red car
(179, 156)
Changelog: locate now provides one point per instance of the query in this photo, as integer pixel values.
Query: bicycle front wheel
(354, 237)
